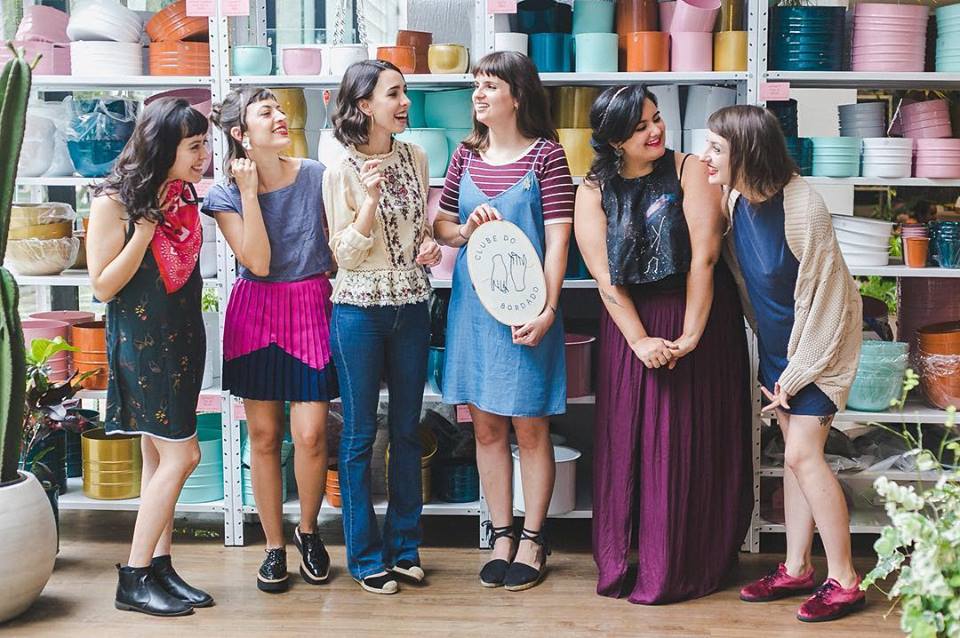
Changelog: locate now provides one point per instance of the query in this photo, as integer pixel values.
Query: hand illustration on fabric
(518, 271)
(498, 274)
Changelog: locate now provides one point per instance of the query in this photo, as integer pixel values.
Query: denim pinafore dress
(483, 366)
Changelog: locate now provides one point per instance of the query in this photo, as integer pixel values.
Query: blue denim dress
(483, 366)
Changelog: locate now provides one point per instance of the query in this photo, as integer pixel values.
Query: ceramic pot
(648, 51)
(402, 57)
(447, 58)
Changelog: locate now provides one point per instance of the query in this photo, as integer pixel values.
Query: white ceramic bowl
(861, 241)
(39, 143)
(874, 227)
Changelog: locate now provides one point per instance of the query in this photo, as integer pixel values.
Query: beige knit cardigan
(824, 345)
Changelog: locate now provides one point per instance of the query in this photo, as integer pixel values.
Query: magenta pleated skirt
(672, 466)
(276, 341)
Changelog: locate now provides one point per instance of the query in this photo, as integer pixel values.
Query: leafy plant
(14, 92)
(210, 301)
(922, 542)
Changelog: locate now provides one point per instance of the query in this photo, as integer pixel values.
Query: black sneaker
(273, 576)
(409, 569)
(314, 560)
(380, 584)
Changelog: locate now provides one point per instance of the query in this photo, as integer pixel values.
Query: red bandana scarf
(177, 240)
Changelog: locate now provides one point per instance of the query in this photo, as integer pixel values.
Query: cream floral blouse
(379, 270)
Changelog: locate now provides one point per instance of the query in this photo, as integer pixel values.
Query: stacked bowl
(43, 32)
(887, 157)
(179, 43)
(595, 43)
(801, 151)
(41, 240)
(945, 237)
(880, 373)
(863, 242)
(889, 37)
(928, 119)
(786, 113)
(937, 158)
(938, 359)
(836, 156)
(948, 39)
(806, 38)
(105, 39)
(916, 244)
(863, 119)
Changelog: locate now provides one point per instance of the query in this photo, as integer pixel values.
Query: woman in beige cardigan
(805, 309)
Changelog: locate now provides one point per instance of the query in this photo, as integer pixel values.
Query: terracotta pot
(179, 58)
(90, 337)
(332, 490)
(648, 51)
(419, 40)
(730, 51)
(172, 23)
(294, 105)
(402, 57)
(636, 15)
(917, 249)
(571, 105)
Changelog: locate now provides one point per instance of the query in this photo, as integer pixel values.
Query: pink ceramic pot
(896, 11)
(666, 10)
(938, 131)
(54, 60)
(898, 38)
(691, 51)
(694, 15)
(69, 317)
(48, 329)
(43, 24)
(302, 60)
(938, 145)
(448, 258)
(926, 106)
(937, 171)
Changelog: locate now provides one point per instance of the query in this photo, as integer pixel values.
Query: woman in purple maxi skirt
(672, 469)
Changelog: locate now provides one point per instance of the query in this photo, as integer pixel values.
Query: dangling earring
(619, 153)
(245, 143)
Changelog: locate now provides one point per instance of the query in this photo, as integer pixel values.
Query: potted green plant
(210, 305)
(921, 545)
(28, 534)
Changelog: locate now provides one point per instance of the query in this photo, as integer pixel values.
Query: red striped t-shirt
(548, 162)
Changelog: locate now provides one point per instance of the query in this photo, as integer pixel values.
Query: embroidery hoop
(506, 273)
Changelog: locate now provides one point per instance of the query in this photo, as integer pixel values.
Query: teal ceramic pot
(553, 52)
(416, 117)
(596, 52)
(593, 16)
(251, 59)
(205, 483)
(434, 142)
(454, 137)
(449, 109)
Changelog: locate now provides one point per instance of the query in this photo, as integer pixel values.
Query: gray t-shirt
(294, 219)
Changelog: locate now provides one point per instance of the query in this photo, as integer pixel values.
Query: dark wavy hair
(350, 125)
(758, 152)
(232, 111)
(146, 159)
(614, 117)
(533, 114)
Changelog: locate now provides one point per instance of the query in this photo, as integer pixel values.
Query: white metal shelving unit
(915, 411)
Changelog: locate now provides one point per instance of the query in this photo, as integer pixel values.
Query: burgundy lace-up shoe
(776, 585)
(831, 601)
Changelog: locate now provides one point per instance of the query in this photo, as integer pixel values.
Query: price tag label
(775, 91)
(239, 413)
(202, 8)
(208, 403)
(463, 414)
(501, 6)
(235, 7)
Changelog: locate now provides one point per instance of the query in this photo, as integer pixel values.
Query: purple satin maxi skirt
(672, 468)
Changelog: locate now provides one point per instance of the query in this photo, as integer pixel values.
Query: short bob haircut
(351, 126)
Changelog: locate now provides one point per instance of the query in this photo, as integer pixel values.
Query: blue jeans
(365, 342)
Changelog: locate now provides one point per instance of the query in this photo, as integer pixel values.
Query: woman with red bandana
(142, 252)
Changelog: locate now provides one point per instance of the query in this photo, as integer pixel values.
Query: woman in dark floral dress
(143, 252)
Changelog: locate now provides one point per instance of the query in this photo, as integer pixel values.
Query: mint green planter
(205, 484)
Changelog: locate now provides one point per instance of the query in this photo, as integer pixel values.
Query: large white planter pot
(211, 327)
(28, 545)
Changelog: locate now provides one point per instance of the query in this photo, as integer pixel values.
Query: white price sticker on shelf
(208, 403)
(202, 8)
(501, 6)
(234, 7)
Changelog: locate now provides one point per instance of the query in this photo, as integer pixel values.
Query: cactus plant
(15, 90)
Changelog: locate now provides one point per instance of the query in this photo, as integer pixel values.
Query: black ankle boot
(314, 560)
(170, 580)
(138, 590)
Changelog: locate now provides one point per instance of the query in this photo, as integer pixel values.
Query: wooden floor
(78, 601)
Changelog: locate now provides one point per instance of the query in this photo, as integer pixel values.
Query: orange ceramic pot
(636, 15)
(419, 40)
(648, 51)
(179, 58)
(402, 57)
(172, 23)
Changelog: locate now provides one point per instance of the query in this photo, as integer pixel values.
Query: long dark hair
(533, 114)
(233, 112)
(614, 117)
(145, 161)
(759, 159)
(351, 126)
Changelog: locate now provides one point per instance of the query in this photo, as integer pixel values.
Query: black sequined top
(647, 237)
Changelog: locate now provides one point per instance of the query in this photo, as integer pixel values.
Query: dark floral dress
(156, 347)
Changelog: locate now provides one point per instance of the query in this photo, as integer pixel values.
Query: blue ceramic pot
(553, 52)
